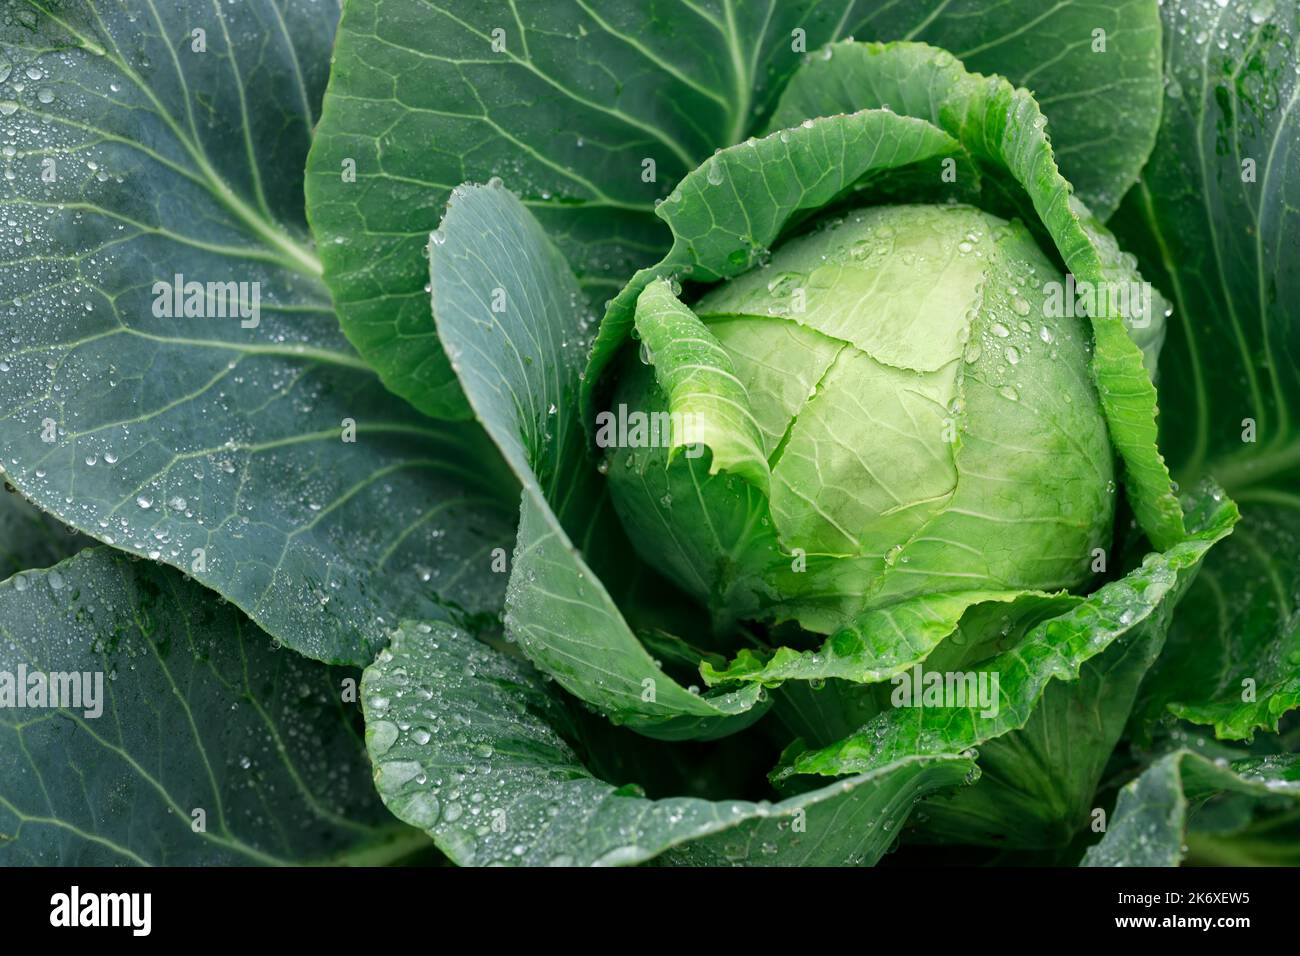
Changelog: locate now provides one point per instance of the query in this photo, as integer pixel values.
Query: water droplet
(381, 737)
(421, 809)
(784, 283)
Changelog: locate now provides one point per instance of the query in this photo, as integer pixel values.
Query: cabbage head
(926, 423)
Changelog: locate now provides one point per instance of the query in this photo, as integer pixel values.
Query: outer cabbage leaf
(217, 448)
(471, 746)
(1149, 825)
(212, 747)
(878, 644)
(520, 367)
(1215, 217)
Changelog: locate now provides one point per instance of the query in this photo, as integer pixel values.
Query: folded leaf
(529, 95)
(520, 367)
(878, 644)
(700, 382)
(726, 214)
(172, 732)
(470, 745)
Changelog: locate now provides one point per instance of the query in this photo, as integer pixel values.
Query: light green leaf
(471, 746)
(218, 448)
(1005, 130)
(700, 382)
(1039, 783)
(194, 742)
(782, 361)
(520, 368)
(726, 214)
(712, 529)
(1149, 824)
(1136, 607)
(877, 645)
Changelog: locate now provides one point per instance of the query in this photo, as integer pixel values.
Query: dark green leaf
(1149, 825)
(1093, 68)
(212, 446)
(568, 100)
(186, 707)
(1233, 655)
(1217, 213)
